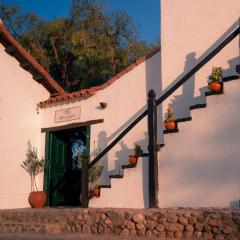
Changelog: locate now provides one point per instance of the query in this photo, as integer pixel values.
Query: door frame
(48, 156)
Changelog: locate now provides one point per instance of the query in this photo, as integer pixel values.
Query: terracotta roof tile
(93, 90)
(28, 62)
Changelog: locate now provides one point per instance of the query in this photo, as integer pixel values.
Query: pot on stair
(96, 191)
(133, 159)
(170, 122)
(215, 84)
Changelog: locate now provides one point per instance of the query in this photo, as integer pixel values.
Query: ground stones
(163, 223)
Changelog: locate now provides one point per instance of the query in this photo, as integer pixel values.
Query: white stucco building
(198, 166)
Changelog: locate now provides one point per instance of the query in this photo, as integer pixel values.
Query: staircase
(199, 166)
(154, 165)
(117, 195)
(184, 140)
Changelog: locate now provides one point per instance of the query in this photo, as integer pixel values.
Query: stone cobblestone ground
(67, 237)
(179, 223)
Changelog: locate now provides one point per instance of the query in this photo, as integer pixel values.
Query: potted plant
(137, 153)
(33, 165)
(215, 78)
(170, 122)
(93, 175)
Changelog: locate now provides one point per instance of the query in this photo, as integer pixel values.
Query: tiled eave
(93, 90)
(13, 48)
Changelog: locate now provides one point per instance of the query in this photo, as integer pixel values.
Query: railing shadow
(204, 55)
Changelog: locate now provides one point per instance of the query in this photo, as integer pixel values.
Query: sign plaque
(67, 114)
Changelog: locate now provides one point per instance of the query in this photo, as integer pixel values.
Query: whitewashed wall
(189, 30)
(19, 123)
(126, 98)
(197, 167)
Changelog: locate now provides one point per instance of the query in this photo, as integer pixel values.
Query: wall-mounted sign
(67, 114)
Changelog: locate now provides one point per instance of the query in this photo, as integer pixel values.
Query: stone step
(31, 227)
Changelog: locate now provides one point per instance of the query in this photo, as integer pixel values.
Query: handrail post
(84, 183)
(153, 158)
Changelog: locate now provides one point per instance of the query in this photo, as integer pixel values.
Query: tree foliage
(82, 50)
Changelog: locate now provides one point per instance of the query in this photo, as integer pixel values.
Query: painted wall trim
(72, 125)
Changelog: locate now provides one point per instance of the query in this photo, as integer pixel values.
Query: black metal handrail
(205, 60)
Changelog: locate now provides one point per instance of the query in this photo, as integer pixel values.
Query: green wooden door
(56, 157)
(61, 182)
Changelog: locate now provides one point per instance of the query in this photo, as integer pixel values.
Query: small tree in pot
(33, 165)
(170, 119)
(137, 153)
(215, 79)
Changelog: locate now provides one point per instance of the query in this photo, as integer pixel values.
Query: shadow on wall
(182, 102)
(209, 172)
(153, 81)
(121, 158)
(232, 67)
(234, 204)
(226, 72)
(102, 141)
(145, 171)
(188, 87)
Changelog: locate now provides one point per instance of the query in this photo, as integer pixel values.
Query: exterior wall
(126, 99)
(198, 166)
(189, 30)
(19, 123)
(131, 191)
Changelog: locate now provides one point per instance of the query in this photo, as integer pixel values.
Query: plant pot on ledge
(170, 124)
(96, 192)
(133, 159)
(215, 84)
(37, 199)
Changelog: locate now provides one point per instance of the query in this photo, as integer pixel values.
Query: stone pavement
(78, 223)
(23, 236)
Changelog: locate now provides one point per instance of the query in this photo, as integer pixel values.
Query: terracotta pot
(37, 199)
(215, 86)
(170, 125)
(96, 192)
(133, 159)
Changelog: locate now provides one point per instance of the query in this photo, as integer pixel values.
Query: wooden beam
(153, 151)
(72, 125)
(84, 184)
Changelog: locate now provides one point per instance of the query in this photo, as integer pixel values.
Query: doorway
(62, 176)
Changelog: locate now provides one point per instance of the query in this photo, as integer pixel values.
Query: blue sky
(145, 13)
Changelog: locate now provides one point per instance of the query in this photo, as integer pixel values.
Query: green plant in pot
(137, 153)
(170, 121)
(215, 79)
(33, 165)
(93, 175)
